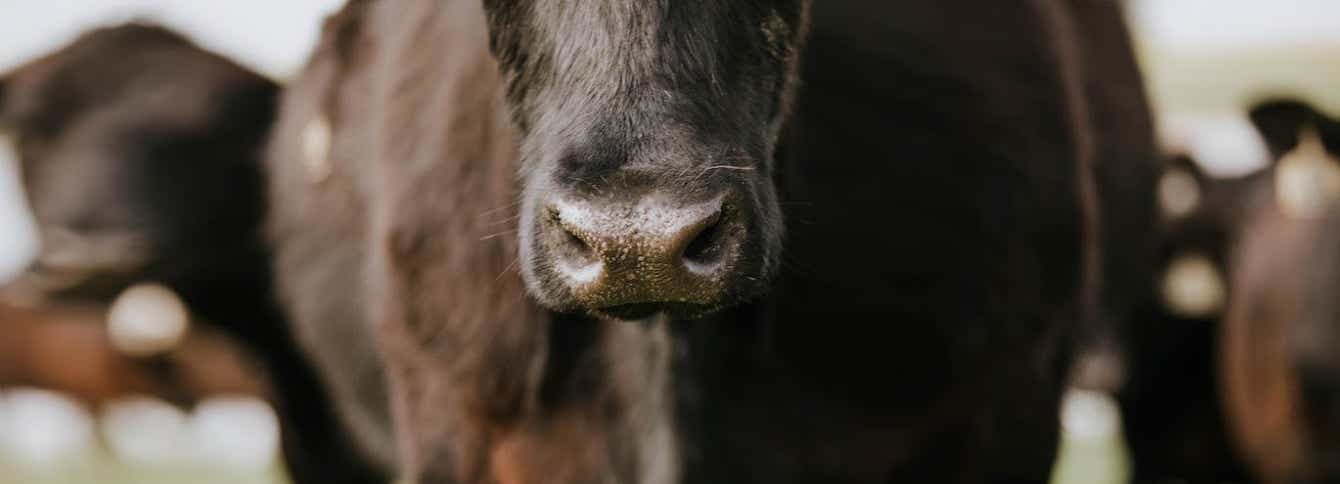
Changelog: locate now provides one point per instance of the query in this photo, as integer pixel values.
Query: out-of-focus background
(1204, 60)
(46, 438)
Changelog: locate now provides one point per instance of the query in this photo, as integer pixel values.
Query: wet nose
(634, 259)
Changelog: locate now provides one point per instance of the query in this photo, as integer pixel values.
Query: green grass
(1091, 462)
(101, 468)
(1079, 462)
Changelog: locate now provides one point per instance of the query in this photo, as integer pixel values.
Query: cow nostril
(627, 261)
(572, 244)
(705, 248)
(576, 245)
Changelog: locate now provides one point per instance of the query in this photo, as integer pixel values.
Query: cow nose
(636, 259)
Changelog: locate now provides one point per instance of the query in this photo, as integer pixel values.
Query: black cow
(1171, 398)
(615, 241)
(140, 157)
(1280, 370)
(1197, 381)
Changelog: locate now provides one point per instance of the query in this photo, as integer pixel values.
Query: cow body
(139, 154)
(939, 212)
(905, 324)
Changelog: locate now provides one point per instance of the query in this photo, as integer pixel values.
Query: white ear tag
(1179, 193)
(147, 320)
(1193, 287)
(316, 139)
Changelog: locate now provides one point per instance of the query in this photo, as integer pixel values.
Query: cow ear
(1180, 187)
(1329, 130)
(4, 111)
(1280, 122)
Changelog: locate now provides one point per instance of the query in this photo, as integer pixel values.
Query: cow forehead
(641, 36)
(643, 70)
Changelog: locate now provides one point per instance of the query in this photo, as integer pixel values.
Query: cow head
(137, 150)
(648, 134)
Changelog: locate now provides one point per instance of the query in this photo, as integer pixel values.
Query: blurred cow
(1233, 372)
(139, 153)
(1170, 398)
(1280, 341)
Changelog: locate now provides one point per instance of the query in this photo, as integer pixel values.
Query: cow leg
(1022, 437)
(317, 447)
(1007, 445)
(1017, 434)
(316, 452)
(432, 451)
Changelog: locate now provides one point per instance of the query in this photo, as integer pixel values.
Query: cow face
(1202, 215)
(137, 150)
(649, 130)
(1193, 242)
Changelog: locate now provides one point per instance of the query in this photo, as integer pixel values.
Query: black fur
(934, 171)
(614, 98)
(1171, 399)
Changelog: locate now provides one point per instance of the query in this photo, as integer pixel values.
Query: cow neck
(462, 336)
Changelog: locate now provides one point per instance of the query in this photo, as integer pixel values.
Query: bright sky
(269, 35)
(274, 35)
(1229, 24)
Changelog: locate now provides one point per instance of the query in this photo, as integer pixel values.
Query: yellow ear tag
(1179, 193)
